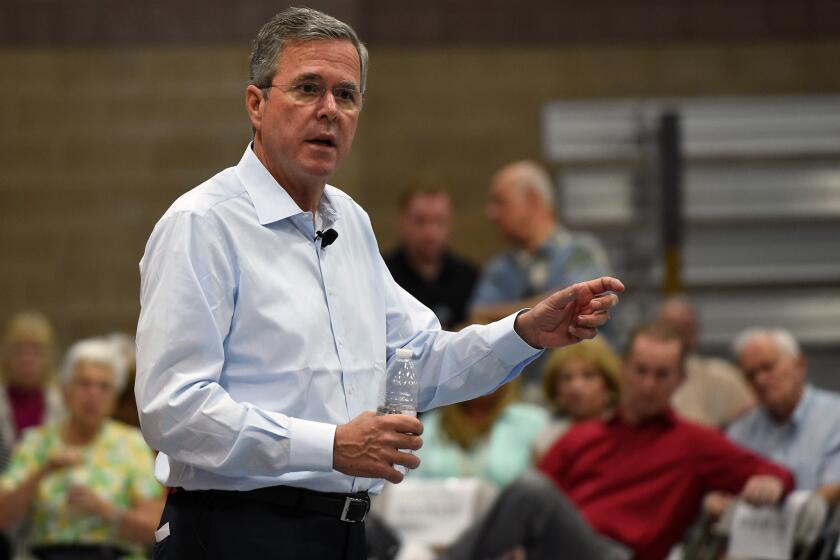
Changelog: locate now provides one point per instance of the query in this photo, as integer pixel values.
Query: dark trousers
(211, 526)
(5, 547)
(532, 514)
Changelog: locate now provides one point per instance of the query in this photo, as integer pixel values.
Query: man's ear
(254, 102)
(801, 365)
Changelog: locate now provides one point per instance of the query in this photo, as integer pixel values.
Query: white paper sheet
(765, 533)
(433, 512)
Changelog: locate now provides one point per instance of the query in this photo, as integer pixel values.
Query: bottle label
(384, 409)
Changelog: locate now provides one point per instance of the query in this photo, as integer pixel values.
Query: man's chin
(320, 169)
(648, 413)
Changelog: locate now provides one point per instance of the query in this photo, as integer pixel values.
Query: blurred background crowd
(691, 149)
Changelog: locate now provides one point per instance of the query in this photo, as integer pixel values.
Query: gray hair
(298, 24)
(530, 175)
(100, 351)
(783, 339)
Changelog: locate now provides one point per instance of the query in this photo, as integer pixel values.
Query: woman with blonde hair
(580, 383)
(27, 395)
(489, 437)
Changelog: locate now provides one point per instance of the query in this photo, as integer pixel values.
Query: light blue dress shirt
(808, 443)
(254, 342)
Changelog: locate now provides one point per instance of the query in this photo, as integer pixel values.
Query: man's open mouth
(323, 142)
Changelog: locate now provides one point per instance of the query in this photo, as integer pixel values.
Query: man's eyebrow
(348, 84)
(309, 77)
(315, 77)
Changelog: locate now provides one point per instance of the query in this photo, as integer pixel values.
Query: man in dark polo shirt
(423, 264)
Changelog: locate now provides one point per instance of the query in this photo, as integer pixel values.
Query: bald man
(544, 255)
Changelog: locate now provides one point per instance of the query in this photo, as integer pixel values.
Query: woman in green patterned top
(88, 481)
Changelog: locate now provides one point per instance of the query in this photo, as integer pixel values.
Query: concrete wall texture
(98, 139)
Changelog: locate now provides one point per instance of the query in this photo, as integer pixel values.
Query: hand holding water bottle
(399, 395)
(379, 446)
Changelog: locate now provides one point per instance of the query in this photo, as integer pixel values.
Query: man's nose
(327, 107)
(649, 384)
(762, 378)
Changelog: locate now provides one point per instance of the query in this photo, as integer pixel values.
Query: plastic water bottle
(400, 392)
(399, 395)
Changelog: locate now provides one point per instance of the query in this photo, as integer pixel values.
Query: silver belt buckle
(348, 509)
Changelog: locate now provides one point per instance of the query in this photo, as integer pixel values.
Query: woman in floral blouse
(88, 481)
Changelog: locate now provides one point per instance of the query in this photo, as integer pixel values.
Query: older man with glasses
(268, 316)
(795, 424)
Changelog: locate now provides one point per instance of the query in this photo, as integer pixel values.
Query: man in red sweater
(637, 477)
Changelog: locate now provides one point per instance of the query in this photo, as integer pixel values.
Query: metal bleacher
(761, 209)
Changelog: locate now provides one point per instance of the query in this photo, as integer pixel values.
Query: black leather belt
(78, 552)
(350, 508)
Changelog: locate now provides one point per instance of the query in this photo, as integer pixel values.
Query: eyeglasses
(308, 93)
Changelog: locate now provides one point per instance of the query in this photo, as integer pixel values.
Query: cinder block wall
(97, 142)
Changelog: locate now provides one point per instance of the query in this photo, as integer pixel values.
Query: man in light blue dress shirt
(795, 424)
(261, 347)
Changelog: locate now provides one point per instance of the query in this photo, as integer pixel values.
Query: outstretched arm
(488, 313)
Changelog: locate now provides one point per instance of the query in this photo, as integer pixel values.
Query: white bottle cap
(404, 353)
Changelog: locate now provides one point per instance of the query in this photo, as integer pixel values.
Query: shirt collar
(666, 417)
(802, 406)
(271, 201)
(559, 238)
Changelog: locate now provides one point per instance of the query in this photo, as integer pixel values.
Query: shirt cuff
(507, 344)
(311, 445)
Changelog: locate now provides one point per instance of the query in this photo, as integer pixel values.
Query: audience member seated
(545, 255)
(87, 480)
(423, 264)
(714, 392)
(637, 477)
(27, 396)
(580, 383)
(489, 437)
(796, 424)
